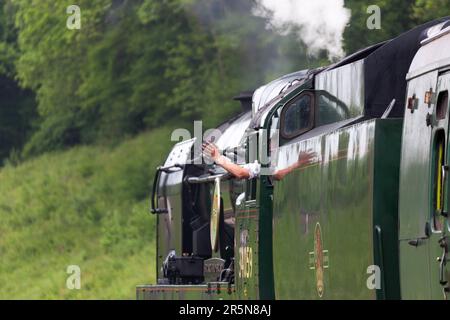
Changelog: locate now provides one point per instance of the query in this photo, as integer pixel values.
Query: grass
(87, 206)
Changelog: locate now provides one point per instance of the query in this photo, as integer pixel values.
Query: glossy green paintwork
(265, 229)
(385, 205)
(255, 217)
(247, 252)
(339, 192)
(351, 189)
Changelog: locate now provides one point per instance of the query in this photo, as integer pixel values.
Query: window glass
(330, 111)
(298, 116)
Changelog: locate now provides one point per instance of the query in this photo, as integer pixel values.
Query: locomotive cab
(193, 246)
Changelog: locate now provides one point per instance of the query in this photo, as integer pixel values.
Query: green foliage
(51, 57)
(17, 106)
(427, 10)
(8, 38)
(88, 207)
(396, 17)
(136, 64)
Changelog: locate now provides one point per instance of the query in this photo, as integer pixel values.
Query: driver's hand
(210, 150)
(306, 157)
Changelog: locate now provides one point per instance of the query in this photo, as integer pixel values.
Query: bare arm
(212, 151)
(234, 169)
(305, 158)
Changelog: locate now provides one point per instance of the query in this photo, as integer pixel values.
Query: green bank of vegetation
(85, 117)
(88, 207)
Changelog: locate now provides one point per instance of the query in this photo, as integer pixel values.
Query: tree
(396, 18)
(427, 10)
(17, 106)
(133, 65)
(50, 60)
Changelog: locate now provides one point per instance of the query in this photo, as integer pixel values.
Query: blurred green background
(86, 116)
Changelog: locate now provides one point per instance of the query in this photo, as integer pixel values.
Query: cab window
(330, 110)
(297, 117)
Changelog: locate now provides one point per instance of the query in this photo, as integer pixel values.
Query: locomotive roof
(386, 65)
(268, 92)
(233, 131)
(267, 96)
(386, 69)
(433, 54)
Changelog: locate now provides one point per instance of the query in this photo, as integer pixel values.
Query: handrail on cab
(169, 169)
(208, 178)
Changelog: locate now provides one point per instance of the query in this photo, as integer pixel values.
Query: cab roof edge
(437, 35)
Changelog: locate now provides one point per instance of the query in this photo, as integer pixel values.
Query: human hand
(306, 157)
(210, 150)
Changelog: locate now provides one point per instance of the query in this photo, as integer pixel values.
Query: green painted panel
(385, 205)
(265, 267)
(415, 270)
(247, 252)
(335, 193)
(324, 214)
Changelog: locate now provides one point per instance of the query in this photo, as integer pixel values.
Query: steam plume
(319, 23)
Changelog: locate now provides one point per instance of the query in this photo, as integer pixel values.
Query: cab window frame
(437, 191)
(288, 105)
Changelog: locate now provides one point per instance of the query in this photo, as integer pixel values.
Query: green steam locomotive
(366, 219)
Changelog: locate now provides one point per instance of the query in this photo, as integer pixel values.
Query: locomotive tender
(368, 219)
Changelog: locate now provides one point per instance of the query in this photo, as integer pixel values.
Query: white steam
(320, 23)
